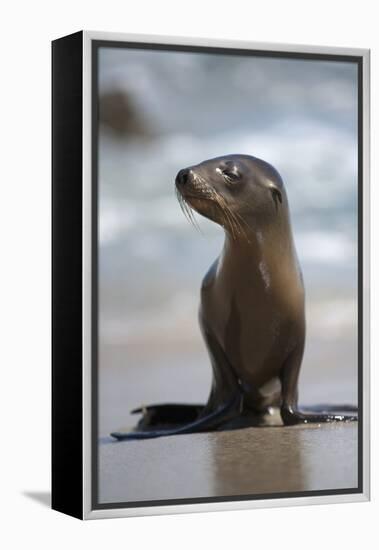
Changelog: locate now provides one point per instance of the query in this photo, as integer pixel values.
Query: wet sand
(241, 462)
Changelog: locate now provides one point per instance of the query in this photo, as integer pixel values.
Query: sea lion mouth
(221, 211)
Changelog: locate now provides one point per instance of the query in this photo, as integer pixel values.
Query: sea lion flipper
(292, 417)
(327, 409)
(210, 421)
(290, 412)
(167, 414)
(168, 408)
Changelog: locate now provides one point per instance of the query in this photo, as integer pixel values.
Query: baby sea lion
(252, 313)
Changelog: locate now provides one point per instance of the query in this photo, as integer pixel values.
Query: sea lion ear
(276, 194)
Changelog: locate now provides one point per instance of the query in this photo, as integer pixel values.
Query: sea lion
(252, 312)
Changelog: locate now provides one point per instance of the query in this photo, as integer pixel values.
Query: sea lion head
(235, 191)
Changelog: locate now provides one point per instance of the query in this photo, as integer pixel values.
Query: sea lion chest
(254, 312)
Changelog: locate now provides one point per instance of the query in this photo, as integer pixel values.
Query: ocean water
(301, 116)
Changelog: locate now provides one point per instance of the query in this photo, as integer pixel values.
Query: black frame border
(216, 50)
(67, 266)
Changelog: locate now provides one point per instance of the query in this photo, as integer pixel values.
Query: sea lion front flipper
(324, 408)
(291, 417)
(289, 410)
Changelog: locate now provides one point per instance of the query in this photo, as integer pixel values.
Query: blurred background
(162, 111)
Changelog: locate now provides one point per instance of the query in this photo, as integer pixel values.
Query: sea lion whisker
(181, 203)
(187, 211)
(192, 217)
(238, 218)
(245, 222)
(194, 221)
(233, 223)
(231, 215)
(226, 214)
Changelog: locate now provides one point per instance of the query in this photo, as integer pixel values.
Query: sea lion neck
(267, 254)
(254, 241)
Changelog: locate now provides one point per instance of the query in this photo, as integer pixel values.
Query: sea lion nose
(182, 177)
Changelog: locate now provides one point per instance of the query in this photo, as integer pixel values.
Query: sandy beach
(242, 462)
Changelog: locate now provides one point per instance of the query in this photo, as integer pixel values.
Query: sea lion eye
(276, 195)
(231, 176)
